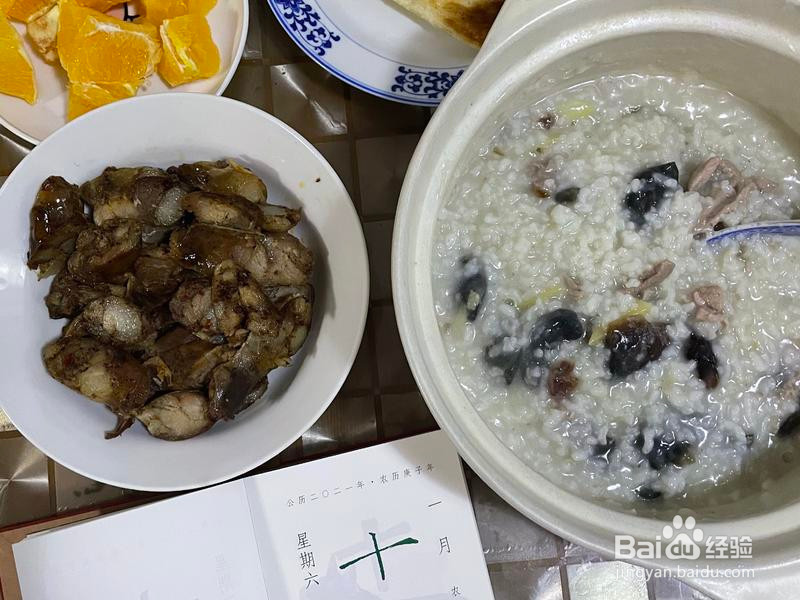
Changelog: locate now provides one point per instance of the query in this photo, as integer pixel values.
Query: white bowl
(535, 48)
(228, 20)
(164, 130)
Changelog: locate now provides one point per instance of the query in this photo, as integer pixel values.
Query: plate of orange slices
(62, 58)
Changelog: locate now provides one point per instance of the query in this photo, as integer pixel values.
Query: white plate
(376, 46)
(228, 21)
(163, 130)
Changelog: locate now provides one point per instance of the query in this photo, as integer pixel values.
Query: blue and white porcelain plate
(377, 47)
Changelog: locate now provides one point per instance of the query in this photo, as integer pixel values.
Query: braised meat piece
(57, 217)
(273, 259)
(100, 372)
(176, 416)
(68, 295)
(222, 177)
(239, 213)
(145, 194)
(106, 254)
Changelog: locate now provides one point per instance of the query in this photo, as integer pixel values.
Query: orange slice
(5, 5)
(28, 10)
(189, 50)
(17, 79)
(43, 31)
(96, 48)
(84, 97)
(70, 19)
(101, 5)
(115, 52)
(156, 11)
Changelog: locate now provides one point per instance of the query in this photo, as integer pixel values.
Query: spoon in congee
(721, 180)
(761, 228)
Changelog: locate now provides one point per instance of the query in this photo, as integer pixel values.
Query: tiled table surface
(369, 142)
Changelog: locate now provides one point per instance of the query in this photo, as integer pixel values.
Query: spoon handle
(762, 228)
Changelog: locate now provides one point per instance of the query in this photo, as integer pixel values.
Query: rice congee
(600, 334)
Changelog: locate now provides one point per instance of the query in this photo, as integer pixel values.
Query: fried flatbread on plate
(469, 20)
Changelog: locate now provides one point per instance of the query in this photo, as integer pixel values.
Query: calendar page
(195, 547)
(390, 522)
